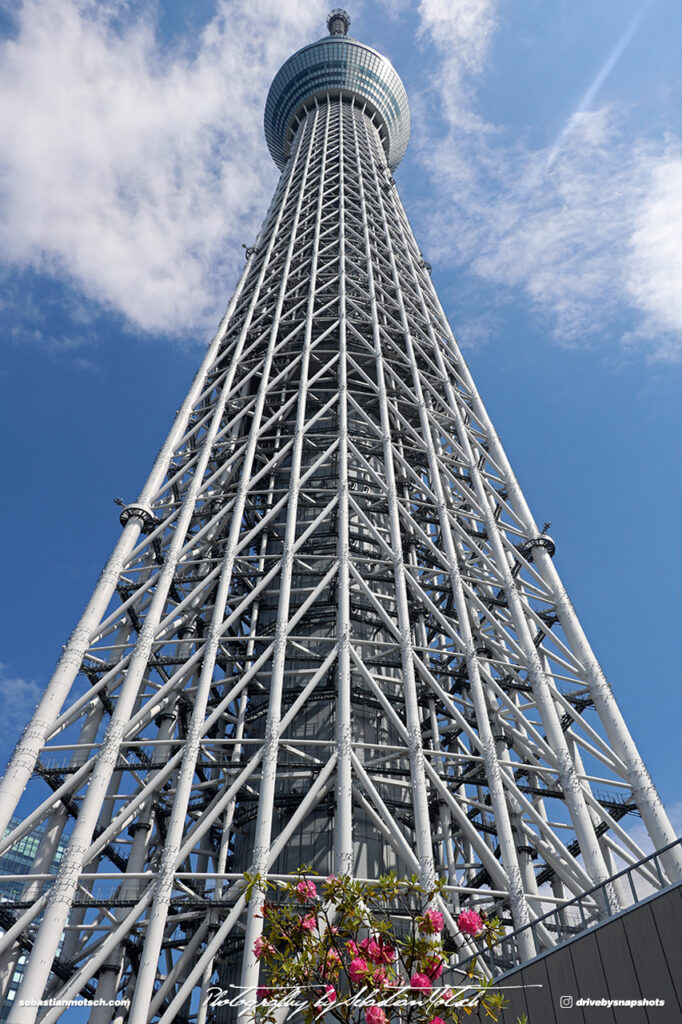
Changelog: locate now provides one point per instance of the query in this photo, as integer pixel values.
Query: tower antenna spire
(338, 22)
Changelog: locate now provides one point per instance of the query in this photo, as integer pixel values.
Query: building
(18, 860)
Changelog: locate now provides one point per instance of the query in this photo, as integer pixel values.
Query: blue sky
(544, 184)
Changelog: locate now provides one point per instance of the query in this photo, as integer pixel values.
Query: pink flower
(432, 922)
(436, 1020)
(358, 969)
(261, 948)
(372, 949)
(263, 993)
(448, 994)
(332, 962)
(469, 922)
(380, 977)
(328, 999)
(353, 948)
(433, 967)
(306, 891)
(332, 878)
(375, 1015)
(418, 981)
(377, 952)
(309, 923)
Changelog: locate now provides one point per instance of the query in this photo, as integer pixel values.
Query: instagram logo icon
(566, 1002)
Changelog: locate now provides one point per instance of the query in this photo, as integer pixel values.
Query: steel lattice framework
(330, 633)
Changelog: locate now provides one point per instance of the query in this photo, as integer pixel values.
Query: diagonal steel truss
(330, 633)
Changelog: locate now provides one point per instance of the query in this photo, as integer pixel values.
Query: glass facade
(18, 861)
(337, 64)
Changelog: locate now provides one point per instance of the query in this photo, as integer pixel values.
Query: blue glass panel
(337, 64)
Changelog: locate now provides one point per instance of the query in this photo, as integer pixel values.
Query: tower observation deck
(331, 631)
(344, 67)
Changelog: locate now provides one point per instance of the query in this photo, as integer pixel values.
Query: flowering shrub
(365, 953)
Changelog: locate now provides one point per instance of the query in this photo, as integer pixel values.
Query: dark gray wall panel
(619, 968)
(538, 1000)
(667, 914)
(516, 999)
(637, 955)
(652, 968)
(589, 973)
(563, 984)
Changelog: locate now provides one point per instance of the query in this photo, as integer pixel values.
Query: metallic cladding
(337, 64)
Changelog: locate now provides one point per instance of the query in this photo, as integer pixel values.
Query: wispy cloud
(655, 260)
(587, 227)
(18, 698)
(597, 82)
(461, 33)
(136, 172)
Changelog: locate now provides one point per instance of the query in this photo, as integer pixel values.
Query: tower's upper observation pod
(337, 64)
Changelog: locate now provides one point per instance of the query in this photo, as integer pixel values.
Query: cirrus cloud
(586, 227)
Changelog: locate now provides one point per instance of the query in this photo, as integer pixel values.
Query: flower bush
(365, 953)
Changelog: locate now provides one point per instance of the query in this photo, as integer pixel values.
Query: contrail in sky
(601, 76)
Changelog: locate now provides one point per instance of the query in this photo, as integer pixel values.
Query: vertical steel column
(213, 919)
(158, 914)
(48, 847)
(579, 812)
(343, 820)
(263, 834)
(108, 978)
(422, 823)
(505, 834)
(643, 788)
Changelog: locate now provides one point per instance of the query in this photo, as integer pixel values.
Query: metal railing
(595, 906)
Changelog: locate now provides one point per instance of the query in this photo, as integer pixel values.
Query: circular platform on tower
(333, 65)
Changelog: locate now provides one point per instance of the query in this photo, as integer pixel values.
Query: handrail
(595, 906)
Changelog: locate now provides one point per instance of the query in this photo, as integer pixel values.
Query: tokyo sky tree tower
(331, 632)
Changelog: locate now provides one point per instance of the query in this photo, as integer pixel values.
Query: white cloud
(18, 699)
(137, 172)
(655, 266)
(461, 32)
(134, 172)
(587, 228)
